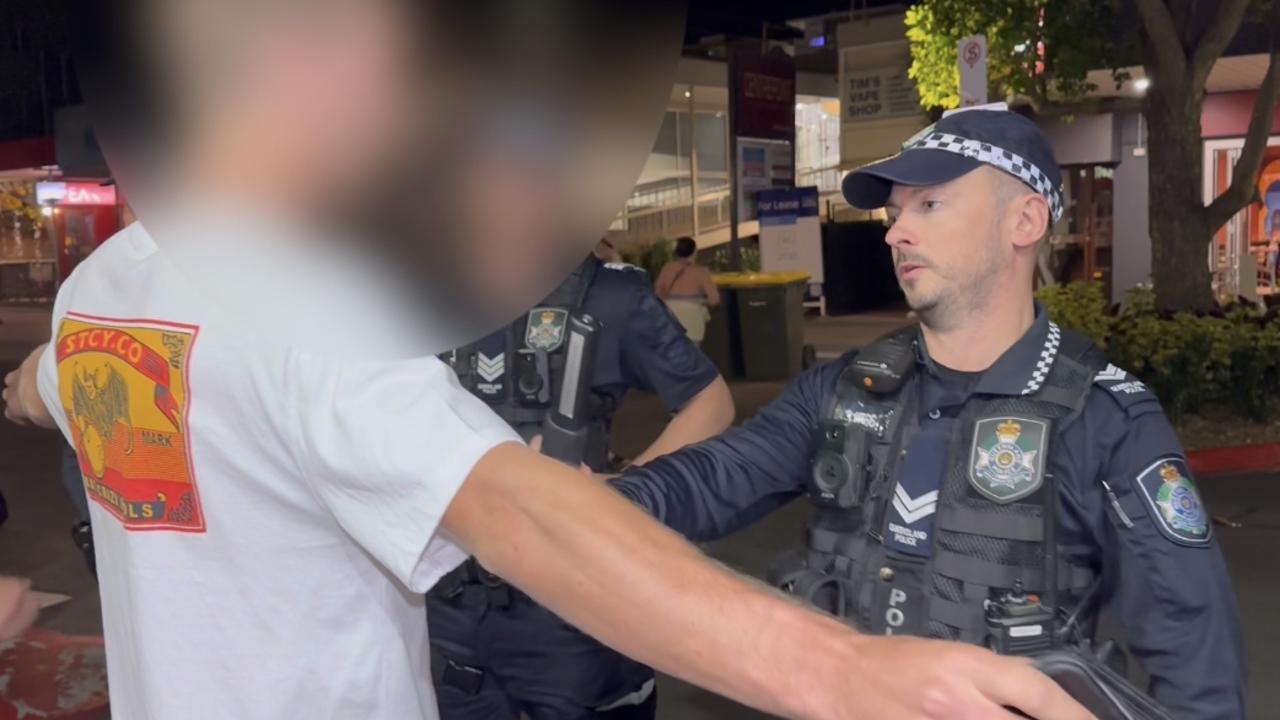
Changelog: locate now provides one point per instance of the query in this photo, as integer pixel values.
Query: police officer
(986, 476)
(499, 654)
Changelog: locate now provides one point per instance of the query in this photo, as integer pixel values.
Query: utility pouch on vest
(532, 378)
(898, 604)
(840, 465)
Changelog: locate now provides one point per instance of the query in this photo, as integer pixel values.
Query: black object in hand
(1098, 688)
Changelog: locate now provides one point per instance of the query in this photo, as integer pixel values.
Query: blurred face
(324, 89)
(948, 249)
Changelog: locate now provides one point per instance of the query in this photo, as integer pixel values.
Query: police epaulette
(1131, 393)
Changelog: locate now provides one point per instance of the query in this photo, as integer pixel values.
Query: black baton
(564, 432)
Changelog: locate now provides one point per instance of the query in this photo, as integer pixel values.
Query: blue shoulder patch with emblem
(1131, 393)
(1173, 501)
(623, 266)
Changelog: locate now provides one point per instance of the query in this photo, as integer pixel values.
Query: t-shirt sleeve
(385, 447)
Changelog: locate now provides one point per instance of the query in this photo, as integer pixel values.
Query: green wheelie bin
(768, 312)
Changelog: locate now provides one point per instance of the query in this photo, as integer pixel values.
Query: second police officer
(986, 476)
(496, 653)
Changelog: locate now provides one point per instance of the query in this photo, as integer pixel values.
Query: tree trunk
(1177, 221)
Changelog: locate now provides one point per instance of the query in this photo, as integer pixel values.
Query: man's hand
(17, 607)
(22, 402)
(903, 677)
(535, 444)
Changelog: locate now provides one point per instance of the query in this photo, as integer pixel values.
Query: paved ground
(35, 541)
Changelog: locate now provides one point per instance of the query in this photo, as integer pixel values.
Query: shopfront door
(1083, 238)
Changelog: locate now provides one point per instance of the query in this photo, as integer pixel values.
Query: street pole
(693, 163)
(735, 246)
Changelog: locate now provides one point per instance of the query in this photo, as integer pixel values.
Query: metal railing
(827, 179)
(665, 212)
(667, 221)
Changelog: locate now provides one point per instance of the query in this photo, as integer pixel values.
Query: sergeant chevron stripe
(490, 368)
(912, 510)
(1110, 372)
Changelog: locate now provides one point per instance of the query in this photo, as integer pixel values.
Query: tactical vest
(519, 369)
(982, 547)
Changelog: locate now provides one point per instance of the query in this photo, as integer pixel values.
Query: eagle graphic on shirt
(99, 398)
(125, 389)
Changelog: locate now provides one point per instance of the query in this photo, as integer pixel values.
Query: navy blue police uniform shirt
(1165, 580)
(642, 345)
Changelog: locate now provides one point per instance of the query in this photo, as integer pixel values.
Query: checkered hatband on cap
(1010, 162)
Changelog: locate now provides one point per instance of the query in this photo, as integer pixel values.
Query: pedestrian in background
(687, 288)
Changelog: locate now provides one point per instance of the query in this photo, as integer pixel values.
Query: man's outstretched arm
(596, 560)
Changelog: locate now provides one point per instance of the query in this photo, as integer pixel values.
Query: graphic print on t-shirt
(124, 386)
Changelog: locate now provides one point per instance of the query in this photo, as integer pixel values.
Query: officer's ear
(1028, 216)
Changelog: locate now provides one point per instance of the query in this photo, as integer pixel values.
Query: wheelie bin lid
(758, 279)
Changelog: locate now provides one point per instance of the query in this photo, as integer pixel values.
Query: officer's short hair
(1009, 188)
(686, 247)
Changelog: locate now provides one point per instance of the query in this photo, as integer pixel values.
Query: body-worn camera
(840, 465)
(532, 378)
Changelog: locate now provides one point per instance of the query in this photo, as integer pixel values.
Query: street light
(1141, 84)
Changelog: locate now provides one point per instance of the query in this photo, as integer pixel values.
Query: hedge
(654, 254)
(1229, 357)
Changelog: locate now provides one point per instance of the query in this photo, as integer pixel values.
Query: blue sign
(782, 206)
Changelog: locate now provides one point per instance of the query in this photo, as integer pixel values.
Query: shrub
(1080, 307)
(719, 261)
(1230, 357)
(650, 256)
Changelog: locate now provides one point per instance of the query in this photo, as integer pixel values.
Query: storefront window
(1246, 249)
(27, 253)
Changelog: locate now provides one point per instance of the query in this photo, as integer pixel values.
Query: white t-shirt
(265, 518)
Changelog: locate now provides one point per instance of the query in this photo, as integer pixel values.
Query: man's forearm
(571, 544)
(708, 414)
(607, 568)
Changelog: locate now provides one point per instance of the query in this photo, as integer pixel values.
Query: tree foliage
(1039, 52)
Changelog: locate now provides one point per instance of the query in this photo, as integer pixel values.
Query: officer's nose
(900, 233)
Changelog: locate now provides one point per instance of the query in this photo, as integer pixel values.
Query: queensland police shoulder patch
(1006, 462)
(1175, 504)
(545, 329)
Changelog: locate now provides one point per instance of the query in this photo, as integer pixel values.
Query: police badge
(1007, 459)
(1174, 502)
(546, 328)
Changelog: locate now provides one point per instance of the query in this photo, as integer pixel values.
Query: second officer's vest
(518, 370)
(984, 543)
